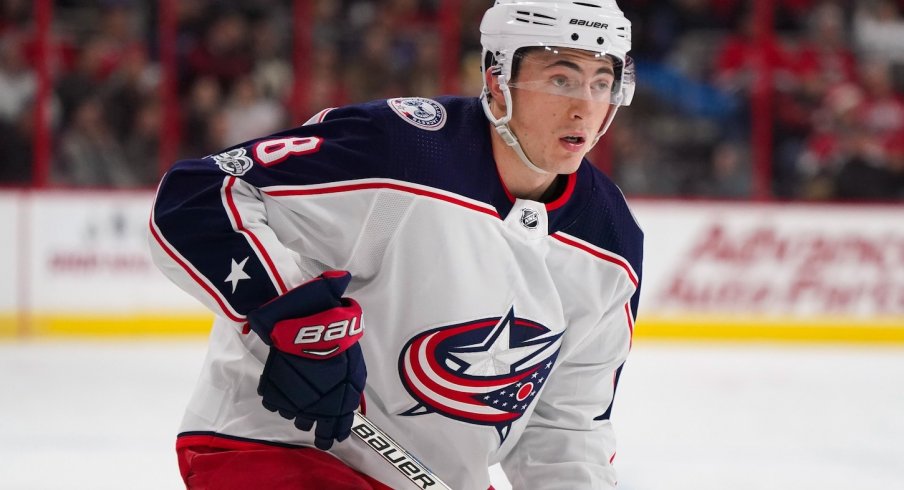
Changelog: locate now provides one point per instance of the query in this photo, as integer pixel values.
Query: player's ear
(492, 82)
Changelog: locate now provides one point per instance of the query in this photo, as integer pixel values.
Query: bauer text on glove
(315, 372)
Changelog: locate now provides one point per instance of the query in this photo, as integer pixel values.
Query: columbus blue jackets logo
(234, 162)
(424, 113)
(483, 372)
(529, 218)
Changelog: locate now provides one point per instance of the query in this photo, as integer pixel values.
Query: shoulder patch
(234, 162)
(420, 112)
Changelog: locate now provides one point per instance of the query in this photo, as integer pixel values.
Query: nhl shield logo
(234, 162)
(530, 218)
(420, 112)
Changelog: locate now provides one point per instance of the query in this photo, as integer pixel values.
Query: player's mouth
(573, 142)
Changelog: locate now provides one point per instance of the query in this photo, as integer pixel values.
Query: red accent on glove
(322, 335)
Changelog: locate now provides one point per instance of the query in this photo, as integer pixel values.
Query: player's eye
(601, 85)
(559, 81)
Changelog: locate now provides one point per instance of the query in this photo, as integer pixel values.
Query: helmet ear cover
(490, 62)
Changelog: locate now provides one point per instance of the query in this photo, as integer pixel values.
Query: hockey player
(470, 285)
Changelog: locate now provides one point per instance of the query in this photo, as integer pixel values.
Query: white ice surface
(103, 415)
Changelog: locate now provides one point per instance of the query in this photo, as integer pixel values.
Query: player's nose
(580, 107)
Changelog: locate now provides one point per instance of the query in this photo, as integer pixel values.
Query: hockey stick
(395, 454)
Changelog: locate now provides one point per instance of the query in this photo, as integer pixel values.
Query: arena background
(763, 157)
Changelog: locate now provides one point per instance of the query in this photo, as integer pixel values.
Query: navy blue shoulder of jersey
(604, 219)
(443, 144)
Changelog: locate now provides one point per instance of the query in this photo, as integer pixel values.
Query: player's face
(560, 100)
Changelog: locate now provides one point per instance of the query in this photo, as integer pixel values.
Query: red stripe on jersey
(608, 258)
(323, 114)
(382, 185)
(233, 209)
(508, 194)
(630, 323)
(552, 206)
(569, 190)
(192, 274)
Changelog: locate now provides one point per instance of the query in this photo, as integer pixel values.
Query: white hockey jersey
(495, 327)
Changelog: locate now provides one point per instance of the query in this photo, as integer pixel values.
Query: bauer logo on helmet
(588, 23)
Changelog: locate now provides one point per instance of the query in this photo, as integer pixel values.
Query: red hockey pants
(215, 463)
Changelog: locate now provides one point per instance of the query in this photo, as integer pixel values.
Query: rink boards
(76, 263)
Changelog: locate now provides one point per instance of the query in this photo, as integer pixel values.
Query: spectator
(223, 50)
(247, 113)
(834, 140)
(17, 80)
(327, 88)
(471, 81)
(729, 174)
(424, 71)
(879, 30)
(272, 71)
(327, 22)
(119, 34)
(16, 147)
(743, 54)
(90, 155)
(85, 81)
(868, 174)
(13, 15)
(125, 91)
(871, 169)
(371, 74)
(204, 101)
(823, 58)
(894, 148)
(819, 59)
(882, 112)
(215, 133)
(142, 145)
(638, 165)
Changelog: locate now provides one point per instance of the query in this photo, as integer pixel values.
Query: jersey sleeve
(569, 441)
(216, 234)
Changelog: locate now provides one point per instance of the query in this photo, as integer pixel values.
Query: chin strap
(506, 133)
(609, 117)
(501, 125)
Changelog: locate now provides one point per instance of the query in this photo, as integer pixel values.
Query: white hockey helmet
(597, 26)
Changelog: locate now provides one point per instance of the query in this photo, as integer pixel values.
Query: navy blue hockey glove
(315, 371)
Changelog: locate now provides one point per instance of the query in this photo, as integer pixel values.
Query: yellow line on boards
(9, 325)
(886, 330)
(118, 325)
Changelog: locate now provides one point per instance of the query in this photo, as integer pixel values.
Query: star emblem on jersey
(237, 273)
(423, 113)
(234, 162)
(483, 372)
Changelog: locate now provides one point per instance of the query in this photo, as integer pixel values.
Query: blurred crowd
(835, 72)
